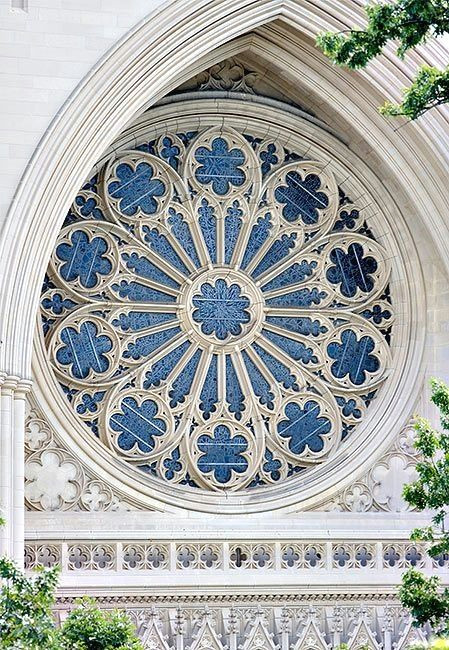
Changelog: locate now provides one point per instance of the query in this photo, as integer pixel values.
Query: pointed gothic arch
(150, 61)
(259, 637)
(362, 637)
(152, 636)
(143, 66)
(311, 637)
(410, 636)
(206, 638)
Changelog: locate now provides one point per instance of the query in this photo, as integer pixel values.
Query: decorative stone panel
(381, 488)
(282, 622)
(55, 479)
(212, 556)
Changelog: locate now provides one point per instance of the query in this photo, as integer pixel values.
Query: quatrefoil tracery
(213, 314)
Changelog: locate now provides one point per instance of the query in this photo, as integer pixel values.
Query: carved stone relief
(233, 75)
(284, 626)
(55, 479)
(380, 489)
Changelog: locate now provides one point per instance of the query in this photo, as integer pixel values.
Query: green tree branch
(409, 23)
(423, 596)
(26, 619)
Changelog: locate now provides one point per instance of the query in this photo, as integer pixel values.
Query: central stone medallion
(223, 306)
(221, 309)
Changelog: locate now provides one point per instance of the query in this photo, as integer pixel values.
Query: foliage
(431, 489)
(424, 598)
(25, 608)
(429, 89)
(409, 23)
(89, 628)
(26, 621)
(427, 601)
(436, 644)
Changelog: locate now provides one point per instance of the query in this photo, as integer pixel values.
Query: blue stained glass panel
(208, 225)
(304, 427)
(277, 251)
(136, 189)
(84, 350)
(234, 393)
(300, 298)
(352, 270)
(134, 291)
(137, 424)
(279, 370)
(181, 230)
(161, 245)
(301, 324)
(162, 368)
(301, 198)
(221, 309)
(145, 345)
(259, 235)
(183, 382)
(260, 385)
(353, 357)
(148, 270)
(295, 349)
(222, 453)
(298, 272)
(220, 166)
(209, 392)
(233, 225)
(139, 320)
(84, 259)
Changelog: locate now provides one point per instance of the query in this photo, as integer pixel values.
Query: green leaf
(26, 603)
(408, 23)
(89, 628)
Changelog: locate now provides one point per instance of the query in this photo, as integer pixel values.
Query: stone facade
(259, 505)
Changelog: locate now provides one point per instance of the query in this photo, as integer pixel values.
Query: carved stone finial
(179, 621)
(232, 621)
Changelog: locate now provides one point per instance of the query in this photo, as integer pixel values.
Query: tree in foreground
(424, 597)
(436, 644)
(408, 23)
(89, 628)
(26, 620)
(25, 608)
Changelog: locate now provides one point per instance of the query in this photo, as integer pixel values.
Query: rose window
(216, 311)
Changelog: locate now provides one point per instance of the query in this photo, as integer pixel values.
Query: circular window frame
(390, 412)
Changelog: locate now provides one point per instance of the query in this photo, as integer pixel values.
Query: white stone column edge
(13, 390)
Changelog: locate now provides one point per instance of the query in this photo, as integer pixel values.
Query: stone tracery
(213, 312)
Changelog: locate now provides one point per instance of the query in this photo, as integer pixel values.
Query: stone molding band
(159, 558)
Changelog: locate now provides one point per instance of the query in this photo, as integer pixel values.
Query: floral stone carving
(381, 488)
(54, 478)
